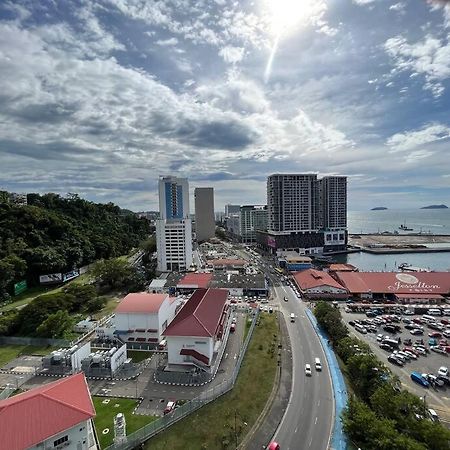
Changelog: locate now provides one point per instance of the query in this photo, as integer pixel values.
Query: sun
(285, 16)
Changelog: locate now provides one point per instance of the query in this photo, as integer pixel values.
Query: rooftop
(201, 314)
(195, 280)
(227, 262)
(238, 280)
(311, 278)
(32, 417)
(141, 302)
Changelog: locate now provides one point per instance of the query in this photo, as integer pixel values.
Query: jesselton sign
(411, 283)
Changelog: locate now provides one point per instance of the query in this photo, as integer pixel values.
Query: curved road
(308, 419)
(307, 423)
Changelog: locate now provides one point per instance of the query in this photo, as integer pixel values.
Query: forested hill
(56, 234)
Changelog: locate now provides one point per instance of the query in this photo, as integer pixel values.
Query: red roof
(311, 278)
(201, 315)
(413, 295)
(343, 268)
(141, 302)
(195, 280)
(396, 283)
(34, 416)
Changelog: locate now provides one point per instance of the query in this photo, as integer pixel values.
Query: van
(317, 364)
(433, 415)
(434, 312)
(292, 317)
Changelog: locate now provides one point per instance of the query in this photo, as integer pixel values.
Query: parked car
(432, 342)
(274, 446)
(438, 349)
(435, 381)
(406, 320)
(446, 333)
(432, 414)
(352, 323)
(170, 406)
(379, 337)
(435, 334)
(386, 347)
(410, 326)
(392, 359)
(418, 378)
(443, 342)
(421, 350)
(407, 341)
(416, 331)
(411, 354)
(443, 371)
(233, 328)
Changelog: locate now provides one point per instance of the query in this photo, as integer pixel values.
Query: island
(379, 208)
(435, 207)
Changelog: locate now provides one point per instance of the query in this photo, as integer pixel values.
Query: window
(60, 441)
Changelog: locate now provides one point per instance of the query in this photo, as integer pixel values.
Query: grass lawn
(27, 296)
(138, 355)
(105, 417)
(109, 307)
(212, 427)
(9, 352)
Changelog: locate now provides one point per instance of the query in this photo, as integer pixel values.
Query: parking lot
(437, 397)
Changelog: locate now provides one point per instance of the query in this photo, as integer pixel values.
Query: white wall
(203, 345)
(325, 288)
(78, 440)
(82, 353)
(118, 358)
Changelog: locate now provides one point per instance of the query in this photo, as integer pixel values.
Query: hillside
(435, 207)
(55, 234)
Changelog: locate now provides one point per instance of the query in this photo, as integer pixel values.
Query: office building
(174, 227)
(243, 226)
(305, 214)
(204, 213)
(231, 209)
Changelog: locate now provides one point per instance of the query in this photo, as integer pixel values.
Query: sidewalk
(267, 428)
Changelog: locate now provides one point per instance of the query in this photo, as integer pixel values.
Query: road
(308, 419)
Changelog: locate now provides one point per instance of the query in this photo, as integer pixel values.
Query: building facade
(174, 227)
(244, 225)
(231, 209)
(305, 214)
(204, 213)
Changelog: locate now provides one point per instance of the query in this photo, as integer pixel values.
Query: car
(407, 341)
(432, 342)
(352, 323)
(421, 350)
(410, 326)
(406, 320)
(419, 379)
(392, 359)
(408, 312)
(443, 371)
(437, 349)
(379, 337)
(404, 359)
(386, 347)
(233, 328)
(435, 381)
(432, 414)
(274, 446)
(446, 333)
(416, 331)
(270, 310)
(308, 370)
(234, 320)
(410, 353)
(435, 334)
(443, 342)
(170, 406)
(285, 299)
(446, 380)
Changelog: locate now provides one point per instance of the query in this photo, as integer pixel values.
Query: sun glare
(286, 15)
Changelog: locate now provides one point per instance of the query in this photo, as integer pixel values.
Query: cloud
(167, 42)
(232, 55)
(429, 57)
(402, 142)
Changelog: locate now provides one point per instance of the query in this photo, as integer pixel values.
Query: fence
(153, 428)
(38, 342)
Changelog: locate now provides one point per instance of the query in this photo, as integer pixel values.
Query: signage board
(20, 287)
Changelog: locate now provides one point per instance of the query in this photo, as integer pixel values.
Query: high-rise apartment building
(305, 214)
(204, 213)
(174, 227)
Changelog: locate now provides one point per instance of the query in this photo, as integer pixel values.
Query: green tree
(114, 272)
(82, 295)
(56, 325)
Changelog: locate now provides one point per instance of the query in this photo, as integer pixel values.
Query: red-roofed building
(318, 284)
(193, 280)
(392, 284)
(228, 264)
(194, 334)
(140, 318)
(57, 415)
(342, 268)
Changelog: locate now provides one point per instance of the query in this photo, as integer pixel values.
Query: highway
(308, 419)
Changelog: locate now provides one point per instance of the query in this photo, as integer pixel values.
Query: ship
(403, 227)
(405, 267)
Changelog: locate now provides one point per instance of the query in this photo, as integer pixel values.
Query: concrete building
(231, 209)
(243, 226)
(204, 213)
(195, 336)
(305, 215)
(318, 284)
(55, 416)
(292, 261)
(141, 318)
(174, 227)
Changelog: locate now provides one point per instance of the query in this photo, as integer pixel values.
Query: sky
(101, 97)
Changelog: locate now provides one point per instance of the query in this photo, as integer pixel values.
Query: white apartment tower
(174, 227)
(204, 213)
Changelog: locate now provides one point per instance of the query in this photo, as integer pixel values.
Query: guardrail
(153, 428)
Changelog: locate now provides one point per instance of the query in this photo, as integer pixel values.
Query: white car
(379, 337)
(446, 333)
(421, 350)
(443, 371)
(308, 370)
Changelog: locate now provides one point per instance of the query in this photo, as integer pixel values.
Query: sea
(426, 221)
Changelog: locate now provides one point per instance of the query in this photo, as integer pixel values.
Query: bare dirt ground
(397, 239)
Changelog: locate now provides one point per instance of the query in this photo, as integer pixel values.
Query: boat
(405, 267)
(403, 227)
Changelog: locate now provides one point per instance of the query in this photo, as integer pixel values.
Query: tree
(82, 294)
(113, 272)
(56, 325)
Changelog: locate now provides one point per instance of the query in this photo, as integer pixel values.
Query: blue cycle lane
(339, 439)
